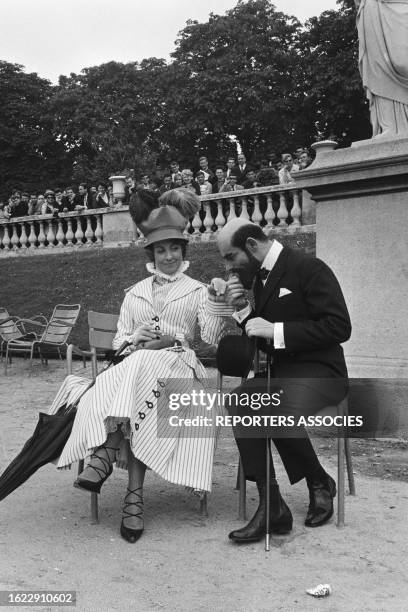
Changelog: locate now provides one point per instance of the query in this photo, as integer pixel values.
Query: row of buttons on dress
(142, 415)
(150, 405)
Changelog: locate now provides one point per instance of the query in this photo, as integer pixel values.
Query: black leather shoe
(104, 470)
(322, 490)
(132, 535)
(280, 521)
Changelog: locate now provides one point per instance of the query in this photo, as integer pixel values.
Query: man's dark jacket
(314, 314)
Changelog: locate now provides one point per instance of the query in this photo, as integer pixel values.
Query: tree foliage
(254, 75)
(30, 156)
(328, 72)
(109, 116)
(240, 78)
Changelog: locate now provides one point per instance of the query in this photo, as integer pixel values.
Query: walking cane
(268, 452)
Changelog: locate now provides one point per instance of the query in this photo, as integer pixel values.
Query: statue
(383, 62)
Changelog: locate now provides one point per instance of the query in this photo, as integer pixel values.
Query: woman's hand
(145, 333)
(216, 290)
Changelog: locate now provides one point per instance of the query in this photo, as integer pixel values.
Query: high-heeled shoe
(132, 535)
(104, 471)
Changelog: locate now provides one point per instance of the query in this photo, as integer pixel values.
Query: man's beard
(247, 274)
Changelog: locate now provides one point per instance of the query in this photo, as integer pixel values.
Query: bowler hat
(235, 355)
(163, 223)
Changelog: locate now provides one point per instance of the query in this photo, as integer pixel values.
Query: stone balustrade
(277, 207)
(274, 207)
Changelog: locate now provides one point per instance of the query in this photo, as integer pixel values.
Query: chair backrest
(10, 330)
(60, 325)
(102, 329)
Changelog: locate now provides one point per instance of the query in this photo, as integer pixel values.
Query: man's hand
(235, 293)
(260, 328)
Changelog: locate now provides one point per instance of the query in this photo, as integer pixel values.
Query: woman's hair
(150, 249)
(143, 201)
(186, 202)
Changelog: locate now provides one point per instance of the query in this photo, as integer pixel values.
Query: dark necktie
(263, 274)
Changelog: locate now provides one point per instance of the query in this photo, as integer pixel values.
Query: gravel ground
(184, 562)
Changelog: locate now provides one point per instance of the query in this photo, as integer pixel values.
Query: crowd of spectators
(235, 175)
(55, 201)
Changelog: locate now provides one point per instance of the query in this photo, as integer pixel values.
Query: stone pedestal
(361, 196)
(118, 227)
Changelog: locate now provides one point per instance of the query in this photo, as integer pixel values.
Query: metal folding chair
(14, 328)
(102, 329)
(54, 334)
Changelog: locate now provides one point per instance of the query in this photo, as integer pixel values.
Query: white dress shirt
(240, 315)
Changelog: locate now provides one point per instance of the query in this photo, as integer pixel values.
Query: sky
(54, 37)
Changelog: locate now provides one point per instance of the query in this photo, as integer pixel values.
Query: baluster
(79, 234)
(50, 234)
(32, 238)
(256, 215)
(6, 237)
(232, 213)
(41, 235)
(219, 219)
(208, 220)
(14, 238)
(99, 229)
(70, 234)
(269, 213)
(296, 210)
(60, 234)
(23, 237)
(89, 232)
(283, 211)
(244, 208)
(196, 224)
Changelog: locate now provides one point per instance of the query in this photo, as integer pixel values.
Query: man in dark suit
(242, 168)
(71, 201)
(300, 318)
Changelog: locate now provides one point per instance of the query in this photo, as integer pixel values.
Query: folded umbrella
(46, 443)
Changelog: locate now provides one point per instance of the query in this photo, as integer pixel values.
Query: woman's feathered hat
(163, 223)
(164, 217)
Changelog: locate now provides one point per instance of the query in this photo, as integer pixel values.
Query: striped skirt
(126, 395)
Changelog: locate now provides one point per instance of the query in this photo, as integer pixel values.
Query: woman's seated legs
(102, 459)
(133, 503)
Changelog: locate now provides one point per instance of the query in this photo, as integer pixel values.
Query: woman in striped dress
(123, 402)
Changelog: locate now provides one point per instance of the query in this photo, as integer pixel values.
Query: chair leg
(31, 358)
(241, 482)
(349, 459)
(349, 464)
(6, 359)
(340, 478)
(204, 505)
(94, 509)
